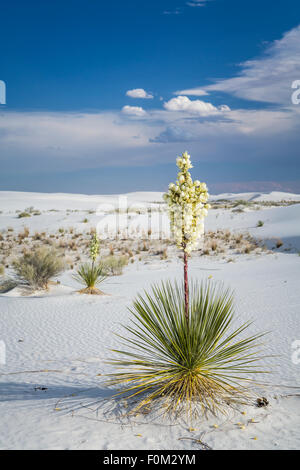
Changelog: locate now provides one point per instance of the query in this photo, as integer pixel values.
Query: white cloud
(134, 111)
(192, 92)
(139, 93)
(177, 11)
(201, 108)
(197, 3)
(268, 78)
(174, 134)
(62, 140)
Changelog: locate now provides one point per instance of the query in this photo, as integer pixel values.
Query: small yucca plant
(202, 367)
(91, 276)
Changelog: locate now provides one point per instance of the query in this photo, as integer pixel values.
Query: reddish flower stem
(186, 287)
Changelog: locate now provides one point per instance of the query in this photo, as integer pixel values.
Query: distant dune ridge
(15, 200)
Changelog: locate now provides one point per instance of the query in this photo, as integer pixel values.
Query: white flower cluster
(187, 202)
(94, 247)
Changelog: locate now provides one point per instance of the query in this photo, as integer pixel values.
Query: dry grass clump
(2, 270)
(113, 265)
(213, 245)
(37, 267)
(23, 234)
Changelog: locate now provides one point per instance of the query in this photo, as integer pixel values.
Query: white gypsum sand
(57, 342)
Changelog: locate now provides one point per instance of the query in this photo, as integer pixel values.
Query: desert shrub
(24, 214)
(24, 234)
(37, 236)
(214, 245)
(238, 238)
(2, 270)
(37, 267)
(260, 223)
(241, 202)
(200, 365)
(90, 275)
(247, 249)
(113, 265)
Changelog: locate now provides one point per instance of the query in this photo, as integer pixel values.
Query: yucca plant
(90, 274)
(183, 351)
(203, 367)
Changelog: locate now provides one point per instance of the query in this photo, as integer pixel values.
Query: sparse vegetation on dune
(215, 243)
(254, 205)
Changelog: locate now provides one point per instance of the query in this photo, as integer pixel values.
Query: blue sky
(102, 96)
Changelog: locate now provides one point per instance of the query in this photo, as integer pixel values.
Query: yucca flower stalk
(187, 203)
(94, 248)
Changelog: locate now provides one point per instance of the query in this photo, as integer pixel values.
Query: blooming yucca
(183, 353)
(187, 203)
(94, 248)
